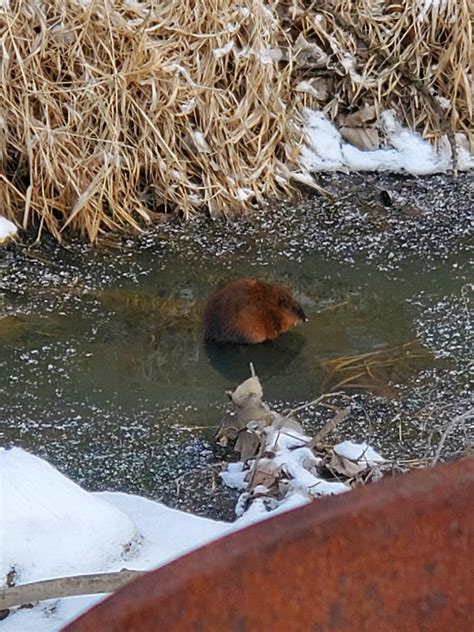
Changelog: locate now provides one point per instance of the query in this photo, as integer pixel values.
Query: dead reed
(113, 113)
(375, 371)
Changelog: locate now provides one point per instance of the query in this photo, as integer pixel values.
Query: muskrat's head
(290, 311)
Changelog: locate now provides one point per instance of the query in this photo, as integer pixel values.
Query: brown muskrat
(250, 311)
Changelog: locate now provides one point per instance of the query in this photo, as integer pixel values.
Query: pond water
(103, 367)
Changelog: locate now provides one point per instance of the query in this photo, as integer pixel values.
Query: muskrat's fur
(250, 311)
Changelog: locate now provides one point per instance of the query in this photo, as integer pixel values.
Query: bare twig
(329, 427)
(65, 587)
(459, 419)
(314, 402)
(330, 308)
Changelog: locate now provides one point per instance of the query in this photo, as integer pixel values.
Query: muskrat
(250, 311)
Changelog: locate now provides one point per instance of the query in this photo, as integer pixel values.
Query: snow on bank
(325, 150)
(51, 527)
(167, 533)
(7, 229)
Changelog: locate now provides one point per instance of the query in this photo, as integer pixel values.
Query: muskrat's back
(250, 311)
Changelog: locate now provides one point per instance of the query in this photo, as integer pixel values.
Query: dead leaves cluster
(277, 459)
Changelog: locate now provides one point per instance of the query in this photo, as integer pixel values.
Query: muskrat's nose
(299, 310)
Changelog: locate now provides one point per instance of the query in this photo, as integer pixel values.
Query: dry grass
(115, 113)
(376, 371)
(415, 56)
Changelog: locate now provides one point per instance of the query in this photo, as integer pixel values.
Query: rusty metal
(396, 555)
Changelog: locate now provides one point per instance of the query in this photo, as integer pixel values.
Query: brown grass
(105, 104)
(376, 371)
(113, 113)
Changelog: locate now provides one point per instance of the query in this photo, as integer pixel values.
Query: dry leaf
(247, 444)
(317, 87)
(282, 423)
(308, 54)
(251, 388)
(266, 473)
(361, 117)
(361, 137)
(247, 399)
(228, 430)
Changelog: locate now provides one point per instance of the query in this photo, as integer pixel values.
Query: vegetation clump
(114, 114)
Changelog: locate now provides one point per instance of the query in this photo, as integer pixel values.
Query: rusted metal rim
(396, 555)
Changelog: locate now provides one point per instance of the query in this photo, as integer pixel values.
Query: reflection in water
(162, 348)
(270, 358)
(102, 352)
(171, 355)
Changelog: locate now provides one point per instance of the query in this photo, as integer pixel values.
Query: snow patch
(7, 229)
(352, 459)
(166, 533)
(293, 466)
(243, 194)
(200, 142)
(224, 50)
(234, 475)
(426, 7)
(51, 527)
(325, 150)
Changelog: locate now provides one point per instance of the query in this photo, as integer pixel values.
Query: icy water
(103, 367)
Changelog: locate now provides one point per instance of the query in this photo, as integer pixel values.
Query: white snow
(359, 452)
(292, 462)
(224, 50)
(425, 7)
(309, 88)
(167, 533)
(264, 55)
(7, 229)
(325, 150)
(300, 464)
(200, 142)
(243, 194)
(51, 527)
(234, 475)
(188, 106)
(354, 458)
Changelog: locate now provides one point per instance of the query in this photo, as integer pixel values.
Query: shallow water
(102, 359)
